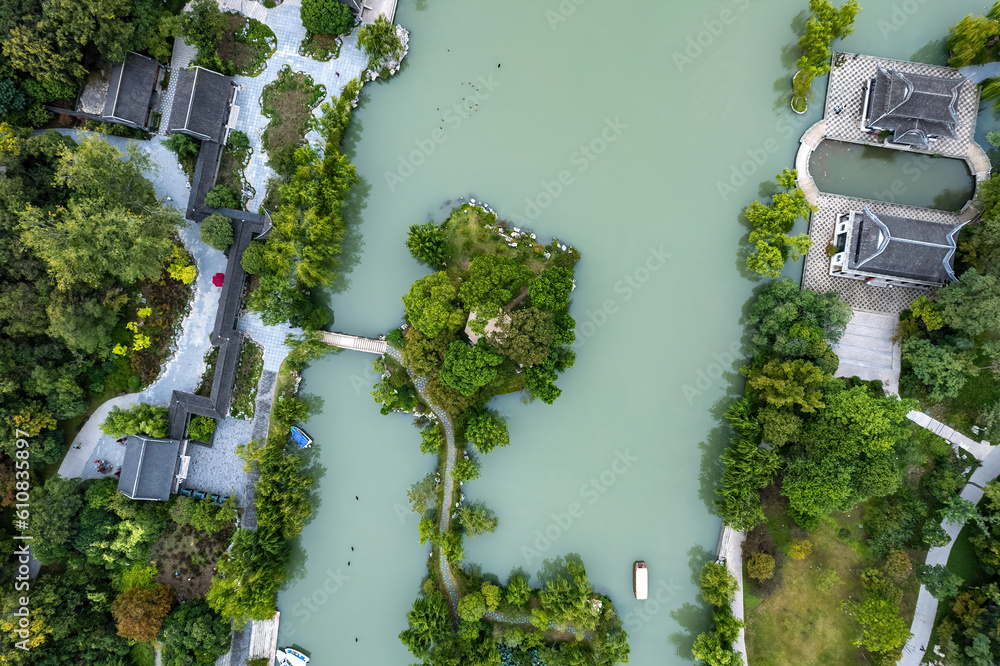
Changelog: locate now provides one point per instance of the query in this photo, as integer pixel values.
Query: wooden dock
(354, 342)
(264, 639)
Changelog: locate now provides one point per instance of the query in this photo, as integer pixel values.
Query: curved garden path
(444, 523)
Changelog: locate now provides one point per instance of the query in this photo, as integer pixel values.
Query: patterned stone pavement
(846, 91)
(271, 338)
(859, 295)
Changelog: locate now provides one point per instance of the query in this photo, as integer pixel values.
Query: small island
(492, 319)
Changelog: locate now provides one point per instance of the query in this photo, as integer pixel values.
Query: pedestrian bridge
(354, 342)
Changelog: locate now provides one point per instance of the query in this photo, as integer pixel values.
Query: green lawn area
(288, 102)
(468, 236)
(797, 623)
(963, 560)
(247, 43)
(247, 376)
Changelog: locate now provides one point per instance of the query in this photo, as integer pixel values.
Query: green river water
(662, 119)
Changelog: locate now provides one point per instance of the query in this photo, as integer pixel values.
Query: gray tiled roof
(903, 247)
(130, 91)
(148, 468)
(912, 106)
(201, 104)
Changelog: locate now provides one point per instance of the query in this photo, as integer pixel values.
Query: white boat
(640, 580)
(290, 657)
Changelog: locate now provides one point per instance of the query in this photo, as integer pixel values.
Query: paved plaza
(846, 91)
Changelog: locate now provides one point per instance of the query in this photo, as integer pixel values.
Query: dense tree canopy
(430, 305)
(468, 368)
(326, 17)
(771, 246)
(194, 635)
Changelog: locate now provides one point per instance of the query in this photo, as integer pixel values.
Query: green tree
(491, 594)
(423, 494)
(850, 451)
(789, 321)
(140, 419)
(493, 281)
(430, 305)
(194, 635)
(429, 625)
(53, 509)
(431, 439)
(182, 145)
(204, 25)
(971, 305)
(223, 196)
(326, 17)
(467, 369)
(551, 289)
(12, 97)
(795, 382)
(476, 519)
(486, 430)
(428, 244)
(518, 591)
(217, 231)
(201, 428)
(717, 585)
(943, 368)
(769, 239)
(882, 630)
(381, 42)
(761, 566)
(940, 582)
(971, 41)
(708, 647)
(253, 259)
(526, 336)
(471, 607)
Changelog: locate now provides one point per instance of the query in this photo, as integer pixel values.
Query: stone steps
(865, 339)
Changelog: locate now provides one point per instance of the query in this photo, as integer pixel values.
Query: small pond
(885, 174)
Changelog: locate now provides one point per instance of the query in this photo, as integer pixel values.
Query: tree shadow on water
(934, 52)
(693, 618)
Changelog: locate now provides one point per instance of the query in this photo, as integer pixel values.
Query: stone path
(287, 26)
(981, 450)
(866, 349)
(355, 343)
(807, 144)
(979, 73)
(730, 551)
(271, 338)
(926, 610)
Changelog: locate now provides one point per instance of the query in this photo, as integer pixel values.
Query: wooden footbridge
(354, 342)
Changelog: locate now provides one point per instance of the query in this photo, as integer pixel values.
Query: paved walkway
(356, 343)
(807, 144)
(981, 450)
(979, 73)
(926, 610)
(730, 551)
(867, 350)
(271, 338)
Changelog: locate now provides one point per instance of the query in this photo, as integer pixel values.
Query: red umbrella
(218, 279)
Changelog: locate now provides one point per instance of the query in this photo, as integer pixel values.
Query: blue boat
(301, 438)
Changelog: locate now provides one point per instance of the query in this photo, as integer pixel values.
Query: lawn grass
(963, 561)
(796, 623)
(190, 553)
(320, 47)
(247, 44)
(468, 236)
(247, 376)
(288, 102)
(205, 385)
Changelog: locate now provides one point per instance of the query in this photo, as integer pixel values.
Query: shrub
(799, 550)
(217, 231)
(201, 428)
(326, 17)
(182, 145)
(237, 142)
(223, 196)
(141, 419)
(253, 258)
(380, 41)
(760, 566)
(428, 244)
(897, 565)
